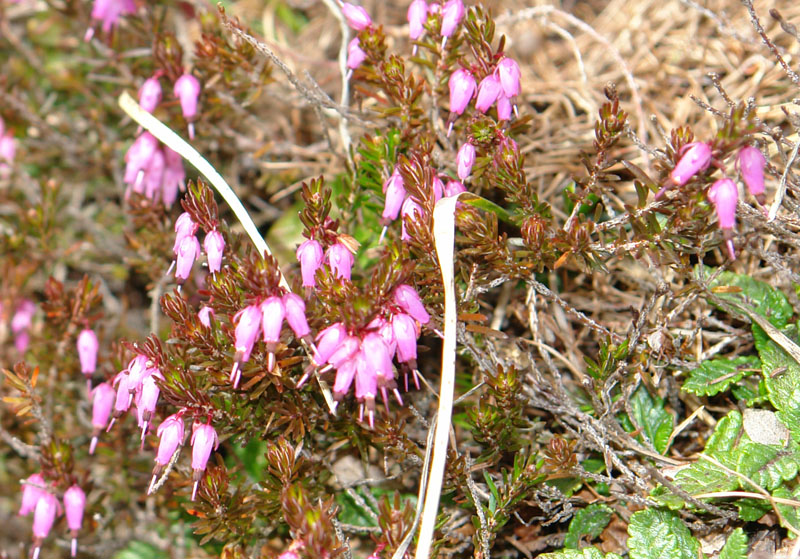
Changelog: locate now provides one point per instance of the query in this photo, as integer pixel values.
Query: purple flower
(103, 397)
(150, 94)
(751, 163)
(407, 299)
(184, 227)
(405, 332)
(87, 351)
(204, 315)
(204, 440)
(488, 91)
(695, 157)
(347, 349)
(310, 255)
(340, 260)
(74, 505)
(31, 491)
(355, 54)
(137, 158)
(214, 245)
(509, 75)
(395, 194)
(296, 314)
(147, 400)
(328, 340)
(248, 326)
(465, 159)
(417, 16)
(187, 90)
(452, 14)
(462, 88)
(356, 16)
(438, 188)
(170, 434)
(724, 194)
(188, 251)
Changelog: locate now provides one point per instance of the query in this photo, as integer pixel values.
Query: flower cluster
(339, 256)
(108, 12)
(499, 87)
(187, 248)
(40, 498)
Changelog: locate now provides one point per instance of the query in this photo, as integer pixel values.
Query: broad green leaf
(590, 521)
(756, 295)
(790, 514)
(658, 534)
(585, 553)
(705, 477)
(781, 375)
(767, 465)
(751, 510)
(735, 547)
(725, 435)
(715, 376)
(650, 415)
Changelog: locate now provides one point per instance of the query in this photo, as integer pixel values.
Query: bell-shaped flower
(188, 251)
(187, 90)
(488, 91)
(724, 194)
(150, 94)
(695, 157)
(174, 177)
(248, 326)
(453, 188)
(296, 314)
(438, 188)
(184, 227)
(378, 358)
(147, 400)
(347, 349)
(405, 333)
(462, 88)
(103, 397)
(751, 163)
(412, 210)
(465, 159)
(503, 108)
(47, 508)
(273, 312)
(214, 246)
(32, 490)
(366, 384)
(327, 342)
(170, 434)
(344, 377)
(108, 12)
(340, 260)
(355, 54)
(204, 315)
(452, 14)
(87, 351)
(356, 16)
(204, 441)
(407, 299)
(122, 399)
(310, 255)
(23, 316)
(153, 177)
(417, 16)
(509, 74)
(138, 368)
(74, 505)
(137, 159)
(395, 194)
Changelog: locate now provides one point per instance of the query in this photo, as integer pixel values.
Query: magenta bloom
(174, 176)
(405, 333)
(103, 397)
(751, 163)
(273, 312)
(153, 176)
(31, 491)
(137, 158)
(503, 108)
(355, 54)
(170, 433)
(74, 505)
(347, 349)
(204, 316)
(87, 351)
(724, 194)
(150, 94)
(509, 74)
(462, 88)
(109, 12)
(453, 188)
(340, 260)
(296, 314)
(452, 14)
(214, 245)
(23, 316)
(147, 400)
(122, 400)
(356, 16)
(328, 341)
(438, 188)
(488, 91)
(248, 326)
(695, 157)
(465, 159)
(395, 194)
(310, 255)
(187, 90)
(407, 299)
(188, 251)
(8, 147)
(184, 227)
(417, 16)
(204, 440)
(138, 368)
(378, 357)
(344, 377)
(412, 210)
(47, 507)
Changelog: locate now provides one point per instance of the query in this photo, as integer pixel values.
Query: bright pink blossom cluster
(498, 87)
(108, 12)
(338, 256)
(187, 248)
(40, 498)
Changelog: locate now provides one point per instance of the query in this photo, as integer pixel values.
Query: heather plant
(428, 339)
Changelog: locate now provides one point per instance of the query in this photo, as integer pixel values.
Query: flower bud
(340, 260)
(356, 16)
(695, 157)
(462, 88)
(417, 16)
(103, 397)
(87, 351)
(187, 90)
(296, 314)
(509, 74)
(355, 54)
(407, 299)
(310, 255)
(395, 194)
(465, 159)
(488, 90)
(204, 315)
(47, 507)
(32, 490)
(74, 505)
(188, 251)
(751, 163)
(204, 440)
(452, 14)
(150, 94)
(214, 245)
(724, 195)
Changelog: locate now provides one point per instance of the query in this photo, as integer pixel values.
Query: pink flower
(147, 400)
(509, 75)
(153, 176)
(488, 91)
(355, 54)
(74, 505)
(138, 158)
(417, 16)
(47, 507)
(465, 159)
(395, 194)
(109, 11)
(724, 194)
(87, 351)
(452, 14)
(187, 90)
(438, 188)
(328, 340)
(453, 188)
(150, 94)
(344, 377)
(356, 16)
(174, 176)
(103, 397)
(214, 245)
(412, 210)
(377, 358)
(340, 260)
(462, 88)
(346, 350)
(188, 251)
(296, 314)
(366, 384)
(8, 147)
(407, 299)
(310, 255)
(32, 490)
(204, 315)
(23, 316)
(405, 332)
(170, 433)
(695, 157)
(138, 368)
(184, 227)
(248, 326)
(122, 399)
(204, 440)
(751, 163)
(273, 312)
(503, 108)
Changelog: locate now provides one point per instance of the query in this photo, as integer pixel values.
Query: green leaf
(590, 521)
(781, 375)
(767, 465)
(585, 553)
(725, 435)
(715, 376)
(658, 534)
(790, 513)
(489, 206)
(756, 295)
(655, 421)
(751, 510)
(140, 550)
(735, 547)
